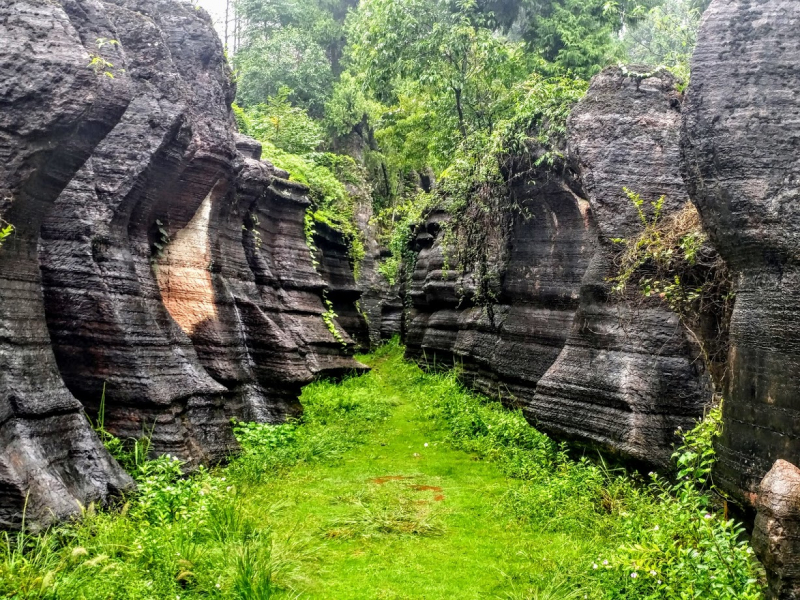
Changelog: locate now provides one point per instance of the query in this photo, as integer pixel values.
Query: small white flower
(708, 516)
(634, 575)
(659, 582)
(605, 562)
(594, 566)
(228, 489)
(218, 586)
(653, 573)
(426, 444)
(749, 550)
(222, 479)
(656, 528)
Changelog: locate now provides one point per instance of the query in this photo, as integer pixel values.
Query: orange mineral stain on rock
(183, 272)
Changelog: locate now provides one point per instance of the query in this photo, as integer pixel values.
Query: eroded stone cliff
(628, 376)
(616, 372)
(741, 145)
(742, 164)
(155, 256)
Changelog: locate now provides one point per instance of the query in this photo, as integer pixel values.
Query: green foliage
(6, 229)
(349, 105)
(289, 138)
(287, 59)
(671, 261)
(664, 540)
(329, 317)
(666, 36)
(339, 504)
(286, 127)
(579, 37)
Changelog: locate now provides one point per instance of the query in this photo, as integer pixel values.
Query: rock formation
(381, 302)
(614, 372)
(628, 376)
(776, 536)
(342, 291)
(741, 145)
(155, 255)
(504, 350)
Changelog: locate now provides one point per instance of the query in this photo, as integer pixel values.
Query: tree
(435, 56)
(579, 36)
(666, 35)
(285, 59)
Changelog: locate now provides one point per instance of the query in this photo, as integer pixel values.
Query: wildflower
(659, 582)
(594, 566)
(634, 575)
(426, 444)
(653, 573)
(656, 528)
(218, 586)
(605, 562)
(708, 516)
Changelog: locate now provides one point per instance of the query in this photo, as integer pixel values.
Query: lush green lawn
(396, 484)
(473, 549)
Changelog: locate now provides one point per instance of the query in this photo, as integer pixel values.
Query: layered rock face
(382, 304)
(156, 257)
(342, 293)
(506, 349)
(628, 376)
(615, 372)
(741, 147)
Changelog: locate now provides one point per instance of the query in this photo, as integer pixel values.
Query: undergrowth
(663, 538)
(224, 533)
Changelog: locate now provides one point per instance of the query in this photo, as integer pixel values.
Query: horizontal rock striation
(616, 372)
(342, 291)
(741, 145)
(629, 376)
(504, 349)
(381, 302)
(155, 256)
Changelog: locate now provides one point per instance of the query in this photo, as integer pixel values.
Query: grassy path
(395, 485)
(404, 515)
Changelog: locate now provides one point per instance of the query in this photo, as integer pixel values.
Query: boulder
(776, 535)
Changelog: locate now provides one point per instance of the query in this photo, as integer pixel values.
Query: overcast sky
(216, 8)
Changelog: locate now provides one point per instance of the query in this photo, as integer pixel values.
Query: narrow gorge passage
(405, 515)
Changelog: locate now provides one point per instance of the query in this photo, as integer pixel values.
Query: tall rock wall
(505, 350)
(155, 256)
(614, 372)
(628, 376)
(741, 145)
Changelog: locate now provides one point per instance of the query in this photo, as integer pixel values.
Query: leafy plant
(6, 229)
(672, 262)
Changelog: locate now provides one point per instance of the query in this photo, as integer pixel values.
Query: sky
(216, 8)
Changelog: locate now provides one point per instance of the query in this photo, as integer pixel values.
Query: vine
(671, 261)
(329, 317)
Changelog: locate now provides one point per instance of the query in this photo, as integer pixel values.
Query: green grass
(397, 484)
